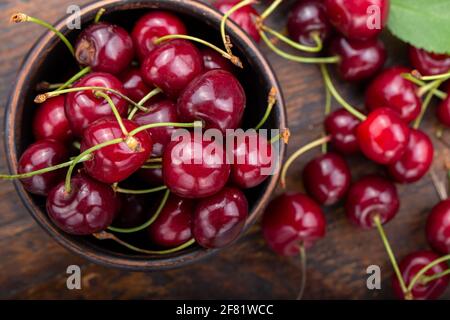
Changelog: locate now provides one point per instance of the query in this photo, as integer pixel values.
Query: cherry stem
(44, 86)
(76, 145)
(151, 166)
(109, 236)
(298, 153)
(443, 76)
(149, 222)
(429, 87)
(195, 124)
(116, 113)
(302, 256)
(149, 95)
(144, 191)
(271, 100)
(438, 185)
(326, 112)
(426, 103)
(153, 160)
(270, 9)
(337, 96)
(77, 76)
(422, 271)
(426, 279)
(438, 93)
(22, 17)
(294, 44)
(99, 15)
(284, 135)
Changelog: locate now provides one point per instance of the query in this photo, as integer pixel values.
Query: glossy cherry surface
(411, 265)
(216, 97)
(443, 111)
(116, 162)
(84, 107)
(104, 47)
(371, 196)
(40, 155)
(172, 66)
(428, 63)
(383, 136)
(415, 161)
(290, 220)
(327, 178)
(133, 84)
(361, 19)
(151, 26)
(358, 59)
(341, 126)
(220, 218)
(389, 89)
(134, 210)
(214, 60)
(438, 227)
(50, 121)
(89, 207)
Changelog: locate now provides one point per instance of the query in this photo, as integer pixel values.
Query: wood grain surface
(33, 266)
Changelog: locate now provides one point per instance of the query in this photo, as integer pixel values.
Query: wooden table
(33, 266)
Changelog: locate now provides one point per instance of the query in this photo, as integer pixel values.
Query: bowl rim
(106, 257)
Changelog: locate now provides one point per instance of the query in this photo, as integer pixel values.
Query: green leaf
(423, 23)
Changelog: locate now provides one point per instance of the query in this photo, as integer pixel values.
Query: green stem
(426, 103)
(195, 124)
(151, 166)
(295, 44)
(443, 76)
(45, 86)
(145, 191)
(99, 14)
(426, 279)
(285, 134)
(149, 95)
(114, 110)
(153, 160)
(76, 145)
(326, 113)
(77, 76)
(270, 9)
(271, 100)
(302, 253)
(438, 93)
(422, 271)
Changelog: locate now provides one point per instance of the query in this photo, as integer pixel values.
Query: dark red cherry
(389, 89)
(214, 60)
(292, 220)
(83, 107)
(443, 111)
(116, 162)
(152, 177)
(438, 227)
(369, 197)
(341, 126)
(428, 63)
(216, 97)
(411, 265)
(50, 121)
(194, 167)
(244, 17)
(40, 155)
(220, 219)
(383, 136)
(308, 17)
(151, 26)
(361, 19)
(327, 178)
(104, 47)
(133, 84)
(172, 66)
(134, 211)
(358, 59)
(415, 161)
(89, 207)
(173, 225)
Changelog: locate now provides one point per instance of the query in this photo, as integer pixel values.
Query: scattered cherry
(133, 84)
(438, 227)
(341, 125)
(428, 63)
(214, 60)
(50, 121)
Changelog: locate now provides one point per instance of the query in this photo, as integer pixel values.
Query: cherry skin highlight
(133, 84)
(214, 60)
(341, 126)
(428, 63)
(438, 227)
(50, 121)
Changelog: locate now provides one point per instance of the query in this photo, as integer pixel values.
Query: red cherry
(327, 178)
(152, 26)
(134, 211)
(416, 160)
(438, 227)
(152, 177)
(290, 220)
(358, 59)
(83, 107)
(172, 66)
(219, 219)
(50, 121)
(341, 125)
(89, 207)
(214, 60)
(428, 63)
(383, 136)
(133, 84)
(443, 111)
(173, 225)
(40, 155)
(411, 265)
(116, 162)
(389, 89)
(369, 197)
(358, 19)
(216, 97)
(104, 47)
(195, 168)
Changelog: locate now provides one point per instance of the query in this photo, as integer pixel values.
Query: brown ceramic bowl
(49, 60)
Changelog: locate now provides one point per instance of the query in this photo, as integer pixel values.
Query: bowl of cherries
(118, 132)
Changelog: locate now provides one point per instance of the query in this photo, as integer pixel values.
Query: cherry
(416, 160)
(216, 97)
(153, 177)
(133, 84)
(115, 162)
(194, 168)
(428, 63)
(383, 136)
(327, 178)
(358, 19)
(219, 219)
(389, 89)
(292, 220)
(306, 18)
(84, 107)
(89, 207)
(40, 155)
(341, 125)
(152, 26)
(443, 111)
(369, 197)
(173, 225)
(50, 121)
(214, 60)
(134, 211)
(358, 59)
(244, 17)
(411, 265)
(438, 227)
(104, 47)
